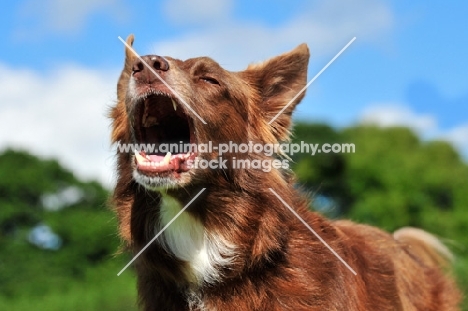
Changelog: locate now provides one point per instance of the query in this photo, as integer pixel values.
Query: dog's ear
(118, 113)
(280, 79)
(127, 70)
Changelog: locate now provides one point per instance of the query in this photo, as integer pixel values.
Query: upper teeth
(174, 104)
(139, 157)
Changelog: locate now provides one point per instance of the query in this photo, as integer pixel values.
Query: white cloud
(61, 114)
(459, 137)
(389, 115)
(326, 26)
(64, 16)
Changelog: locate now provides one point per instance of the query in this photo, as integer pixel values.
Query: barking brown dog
(237, 246)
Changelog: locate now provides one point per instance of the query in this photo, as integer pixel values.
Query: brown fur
(279, 264)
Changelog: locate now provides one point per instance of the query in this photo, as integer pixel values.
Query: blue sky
(60, 61)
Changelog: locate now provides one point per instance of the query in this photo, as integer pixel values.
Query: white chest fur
(205, 252)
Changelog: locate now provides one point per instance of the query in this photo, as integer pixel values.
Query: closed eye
(209, 80)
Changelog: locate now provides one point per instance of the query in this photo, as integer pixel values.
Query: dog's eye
(209, 80)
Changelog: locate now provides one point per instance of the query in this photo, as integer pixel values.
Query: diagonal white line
(160, 232)
(313, 79)
(165, 83)
(312, 230)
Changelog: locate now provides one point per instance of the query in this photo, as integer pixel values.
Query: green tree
(37, 191)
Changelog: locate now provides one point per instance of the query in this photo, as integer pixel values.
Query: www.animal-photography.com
(238, 156)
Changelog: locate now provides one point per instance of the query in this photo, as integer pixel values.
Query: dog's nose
(154, 61)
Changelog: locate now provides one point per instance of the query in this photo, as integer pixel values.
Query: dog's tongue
(158, 158)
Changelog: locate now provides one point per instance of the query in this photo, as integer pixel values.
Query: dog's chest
(204, 252)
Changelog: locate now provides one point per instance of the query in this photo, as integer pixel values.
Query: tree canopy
(54, 280)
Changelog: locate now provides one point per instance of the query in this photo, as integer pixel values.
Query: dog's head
(164, 101)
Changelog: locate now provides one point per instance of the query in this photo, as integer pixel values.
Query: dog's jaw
(157, 118)
(156, 183)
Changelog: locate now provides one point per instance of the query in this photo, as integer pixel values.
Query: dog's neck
(218, 236)
(205, 252)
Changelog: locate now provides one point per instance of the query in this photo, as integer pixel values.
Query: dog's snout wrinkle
(143, 74)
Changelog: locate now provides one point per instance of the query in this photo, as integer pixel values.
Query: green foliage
(81, 275)
(327, 165)
(100, 289)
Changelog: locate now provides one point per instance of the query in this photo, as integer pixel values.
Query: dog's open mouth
(161, 124)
